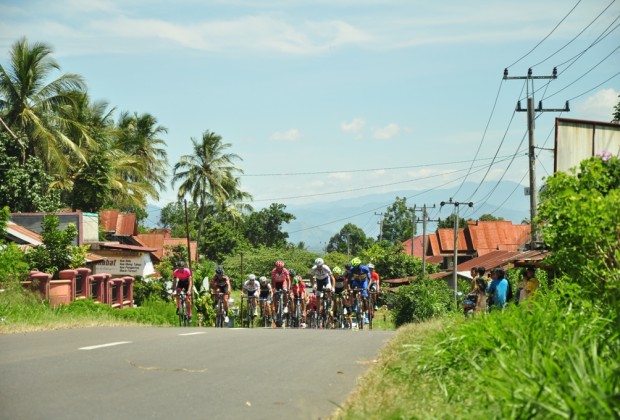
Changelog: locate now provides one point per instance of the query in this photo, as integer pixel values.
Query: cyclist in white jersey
(322, 279)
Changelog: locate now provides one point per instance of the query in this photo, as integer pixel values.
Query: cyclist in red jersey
(220, 283)
(280, 280)
(183, 280)
(374, 285)
(299, 290)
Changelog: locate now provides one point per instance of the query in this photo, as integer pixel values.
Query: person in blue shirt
(359, 276)
(498, 288)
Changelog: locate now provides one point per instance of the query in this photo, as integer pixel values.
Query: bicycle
(358, 307)
(340, 317)
(265, 313)
(220, 311)
(325, 319)
(182, 310)
(281, 308)
(297, 317)
(371, 307)
(251, 308)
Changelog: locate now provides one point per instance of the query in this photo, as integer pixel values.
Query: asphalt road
(194, 373)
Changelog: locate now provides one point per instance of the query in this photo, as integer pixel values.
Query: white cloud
(341, 176)
(354, 126)
(291, 135)
(389, 131)
(598, 107)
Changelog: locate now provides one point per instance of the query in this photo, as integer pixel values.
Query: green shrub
(419, 301)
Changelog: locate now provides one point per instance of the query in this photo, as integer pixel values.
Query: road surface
(174, 373)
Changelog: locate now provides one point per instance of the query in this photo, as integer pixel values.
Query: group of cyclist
(285, 283)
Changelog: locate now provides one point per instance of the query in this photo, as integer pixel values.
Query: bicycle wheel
(371, 315)
(359, 313)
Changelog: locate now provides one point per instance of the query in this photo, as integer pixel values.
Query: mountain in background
(316, 223)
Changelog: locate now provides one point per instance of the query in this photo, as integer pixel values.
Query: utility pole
(532, 147)
(380, 222)
(425, 219)
(456, 205)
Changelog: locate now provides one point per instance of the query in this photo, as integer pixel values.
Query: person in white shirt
(323, 279)
(252, 288)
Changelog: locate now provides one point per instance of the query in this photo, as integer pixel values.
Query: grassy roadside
(544, 360)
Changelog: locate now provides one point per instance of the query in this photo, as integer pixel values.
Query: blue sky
(338, 94)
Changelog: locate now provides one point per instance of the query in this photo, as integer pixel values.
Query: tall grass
(22, 310)
(555, 358)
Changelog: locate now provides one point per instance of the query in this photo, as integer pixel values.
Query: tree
(616, 114)
(264, 228)
(488, 218)
(351, 240)
(581, 224)
(398, 221)
(32, 106)
(448, 222)
(57, 252)
(208, 175)
(138, 137)
(25, 188)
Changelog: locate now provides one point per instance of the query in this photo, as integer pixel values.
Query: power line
(600, 84)
(552, 31)
(576, 36)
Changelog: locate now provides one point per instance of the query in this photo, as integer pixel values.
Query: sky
(329, 100)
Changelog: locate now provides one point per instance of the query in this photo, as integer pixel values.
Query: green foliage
(616, 114)
(13, 267)
(261, 261)
(351, 240)
(149, 289)
(421, 300)
(25, 188)
(489, 218)
(91, 187)
(546, 359)
(581, 225)
(56, 253)
(264, 228)
(391, 263)
(448, 222)
(399, 221)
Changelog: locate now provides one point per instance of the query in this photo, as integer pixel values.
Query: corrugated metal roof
(417, 246)
(153, 240)
(116, 245)
(119, 223)
(446, 240)
(488, 236)
(108, 219)
(25, 235)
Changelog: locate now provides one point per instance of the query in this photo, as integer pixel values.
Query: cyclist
(374, 285)
(252, 288)
(266, 294)
(183, 281)
(340, 284)
(220, 283)
(280, 280)
(359, 278)
(299, 291)
(323, 279)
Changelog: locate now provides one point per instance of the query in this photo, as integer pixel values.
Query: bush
(419, 301)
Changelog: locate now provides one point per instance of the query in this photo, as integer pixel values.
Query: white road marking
(194, 333)
(104, 345)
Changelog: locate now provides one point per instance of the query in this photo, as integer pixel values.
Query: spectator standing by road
(498, 288)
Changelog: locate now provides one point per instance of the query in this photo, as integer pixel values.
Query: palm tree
(138, 137)
(208, 176)
(32, 106)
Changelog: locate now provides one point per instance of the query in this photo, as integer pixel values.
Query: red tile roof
(417, 246)
(497, 235)
(446, 240)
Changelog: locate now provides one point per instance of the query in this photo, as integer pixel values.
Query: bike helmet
(319, 261)
(219, 270)
(337, 270)
(291, 272)
(252, 277)
(355, 262)
(280, 264)
(371, 265)
(181, 264)
(263, 279)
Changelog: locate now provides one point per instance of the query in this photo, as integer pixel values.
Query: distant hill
(316, 223)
